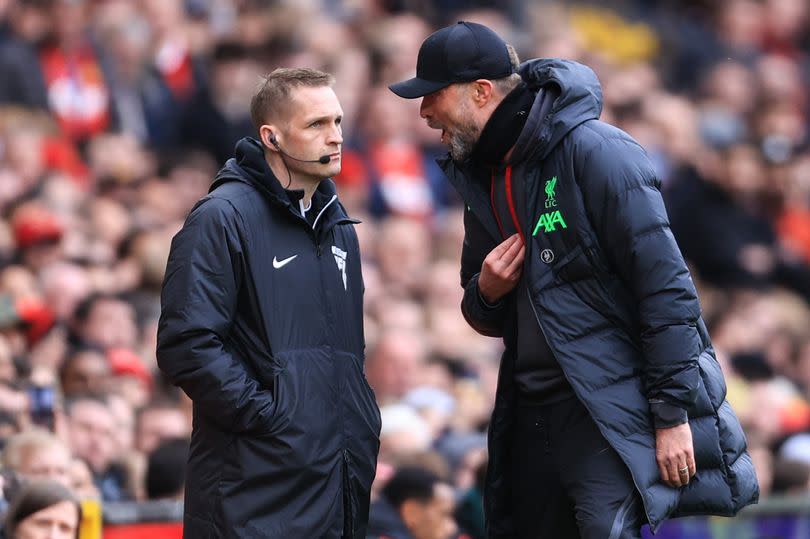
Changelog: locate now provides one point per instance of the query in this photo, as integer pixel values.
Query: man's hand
(675, 455)
(501, 269)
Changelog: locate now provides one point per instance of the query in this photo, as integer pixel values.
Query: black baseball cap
(462, 52)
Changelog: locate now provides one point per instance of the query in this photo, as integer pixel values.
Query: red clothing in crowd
(77, 91)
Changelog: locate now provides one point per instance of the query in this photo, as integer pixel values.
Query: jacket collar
(503, 127)
(470, 184)
(580, 100)
(249, 166)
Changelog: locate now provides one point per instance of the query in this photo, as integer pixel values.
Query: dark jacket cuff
(487, 319)
(484, 303)
(667, 415)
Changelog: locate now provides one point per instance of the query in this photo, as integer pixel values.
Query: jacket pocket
(573, 266)
(370, 398)
(373, 404)
(617, 299)
(279, 383)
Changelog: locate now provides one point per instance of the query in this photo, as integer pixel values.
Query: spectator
(159, 422)
(23, 84)
(43, 510)
(38, 454)
(105, 321)
(75, 83)
(403, 432)
(470, 509)
(124, 415)
(81, 480)
(395, 363)
(8, 371)
(143, 103)
(416, 504)
(84, 370)
(64, 286)
(26, 321)
(465, 453)
(38, 234)
(91, 430)
(166, 470)
(790, 477)
(218, 116)
(403, 250)
(130, 377)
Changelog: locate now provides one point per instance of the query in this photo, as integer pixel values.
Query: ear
(410, 513)
(268, 135)
(482, 92)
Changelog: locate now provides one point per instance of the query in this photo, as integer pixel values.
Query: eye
(316, 123)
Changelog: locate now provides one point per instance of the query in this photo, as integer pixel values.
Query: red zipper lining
(512, 203)
(509, 201)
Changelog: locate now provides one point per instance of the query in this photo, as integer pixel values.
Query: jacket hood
(580, 100)
(249, 166)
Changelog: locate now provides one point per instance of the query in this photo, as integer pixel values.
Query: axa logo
(549, 222)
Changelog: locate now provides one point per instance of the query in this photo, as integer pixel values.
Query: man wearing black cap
(611, 407)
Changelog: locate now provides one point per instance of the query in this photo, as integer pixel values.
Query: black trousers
(567, 482)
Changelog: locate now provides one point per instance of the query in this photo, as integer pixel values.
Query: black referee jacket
(262, 326)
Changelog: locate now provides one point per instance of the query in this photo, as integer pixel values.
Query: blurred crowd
(116, 114)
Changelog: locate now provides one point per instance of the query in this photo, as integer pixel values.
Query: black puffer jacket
(613, 297)
(262, 326)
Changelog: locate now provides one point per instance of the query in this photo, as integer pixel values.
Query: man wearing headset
(262, 327)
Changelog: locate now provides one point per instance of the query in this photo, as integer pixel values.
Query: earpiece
(324, 159)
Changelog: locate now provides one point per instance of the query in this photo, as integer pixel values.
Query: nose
(425, 108)
(335, 135)
(451, 528)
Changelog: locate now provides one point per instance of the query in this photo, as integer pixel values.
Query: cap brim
(416, 87)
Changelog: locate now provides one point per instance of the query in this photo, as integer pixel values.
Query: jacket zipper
(494, 206)
(348, 515)
(348, 509)
(510, 201)
(553, 353)
(320, 213)
(584, 403)
(315, 223)
(317, 240)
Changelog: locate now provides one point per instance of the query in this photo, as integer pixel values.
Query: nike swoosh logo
(281, 263)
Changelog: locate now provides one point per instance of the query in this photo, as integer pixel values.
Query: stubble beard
(463, 136)
(463, 140)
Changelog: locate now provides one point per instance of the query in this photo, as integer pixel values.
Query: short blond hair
(273, 94)
(27, 442)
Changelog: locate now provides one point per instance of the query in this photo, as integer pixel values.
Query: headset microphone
(324, 159)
